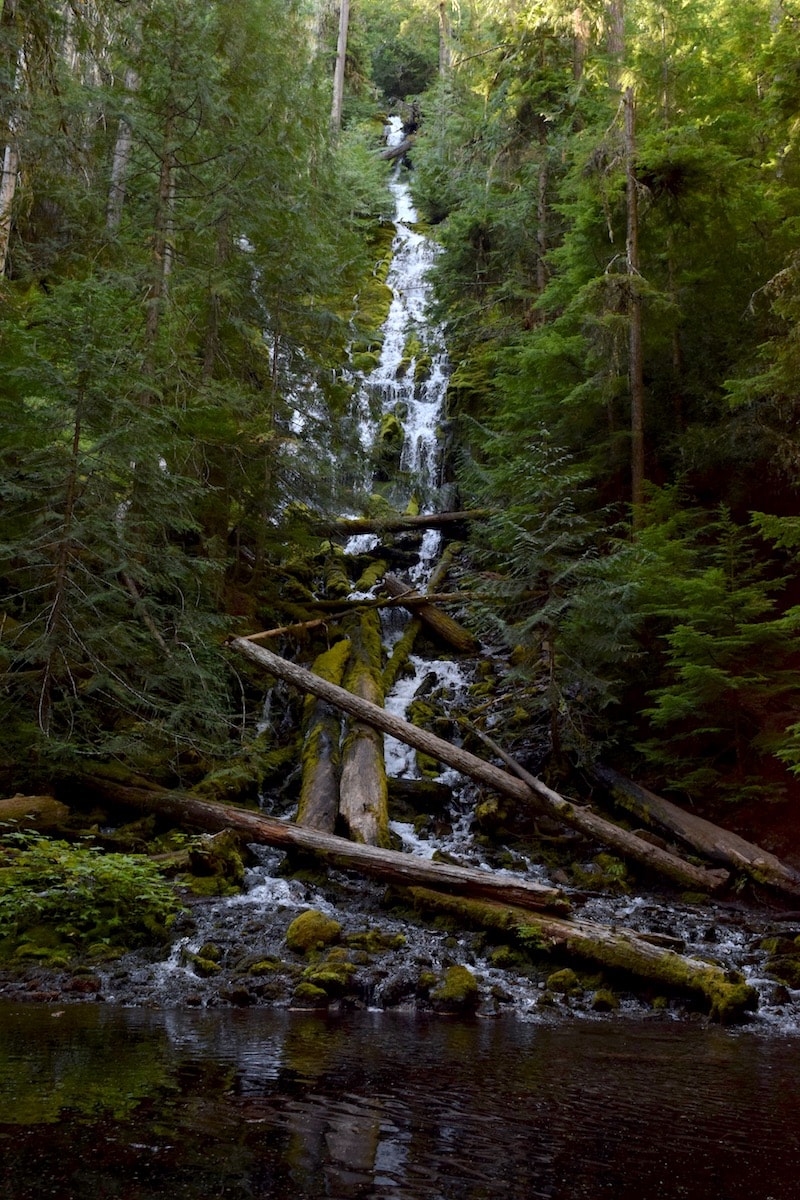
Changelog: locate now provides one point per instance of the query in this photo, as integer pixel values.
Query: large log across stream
(390, 866)
(489, 899)
(627, 844)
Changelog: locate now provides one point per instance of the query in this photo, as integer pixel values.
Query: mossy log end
(726, 994)
(389, 866)
(687, 875)
(32, 812)
(439, 622)
(716, 843)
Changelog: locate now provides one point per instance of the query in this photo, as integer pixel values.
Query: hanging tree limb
(620, 840)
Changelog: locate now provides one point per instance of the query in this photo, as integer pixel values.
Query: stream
(98, 1102)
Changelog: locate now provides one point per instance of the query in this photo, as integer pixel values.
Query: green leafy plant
(59, 901)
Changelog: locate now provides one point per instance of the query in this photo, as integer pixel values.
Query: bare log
(443, 625)
(389, 866)
(716, 843)
(392, 152)
(588, 822)
(32, 812)
(726, 994)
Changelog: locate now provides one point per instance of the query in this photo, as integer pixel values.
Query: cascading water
(409, 384)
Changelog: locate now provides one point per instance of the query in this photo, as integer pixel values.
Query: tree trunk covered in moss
(389, 866)
(32, 812)
(727, 994)
(436, 620)
(624, 843)
(322, 727)
(716, 843)
(363, 802)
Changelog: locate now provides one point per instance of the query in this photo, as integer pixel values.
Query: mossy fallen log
(710, 840)
(322, 724)
(363, 803)
(398, 523)
(32, 812)
(689, 876)
(728, 997)
(388, 866)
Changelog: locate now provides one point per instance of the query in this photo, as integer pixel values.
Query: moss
(332, 976)
(219, 856)
(565, 982)
(457, 991)
(375, 942)
(604, 1000)
(265, 966)
(369, 577)
(312, 930)
(785, 968)
(309, 994)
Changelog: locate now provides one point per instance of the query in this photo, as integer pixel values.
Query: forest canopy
(192, 261)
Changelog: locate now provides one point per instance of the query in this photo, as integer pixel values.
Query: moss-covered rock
(456, 992)
(312, 930)
(308, 995)
(604, 1000)
(565, 982)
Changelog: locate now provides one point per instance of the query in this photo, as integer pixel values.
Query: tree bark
(120, 161)
(341, 58)
(389, 866)
(618, 949)
(588, 822)
(441, 624)
(445, 47)
(716, 843)
(635, 351)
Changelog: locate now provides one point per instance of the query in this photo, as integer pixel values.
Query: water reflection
(183, 1104)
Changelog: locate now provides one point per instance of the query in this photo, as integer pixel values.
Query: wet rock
(312, 930)
(457, 991)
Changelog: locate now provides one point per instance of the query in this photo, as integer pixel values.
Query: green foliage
(59, 901)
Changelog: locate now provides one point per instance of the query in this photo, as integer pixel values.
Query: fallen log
(31, 812)
(363, 802)
(714, 842)
(399, 523)
(393, 152)
(442, 625)
(627, 844)
(389, 866)
(725, 992)
(322, 726)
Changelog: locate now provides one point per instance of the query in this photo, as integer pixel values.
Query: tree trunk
(442, 625)
(389, 866)
(10, 161)
(589, 823)
(635, 355)
(119, 164)
(445, 49)
(363, 797)
(618, 949)
(716, 843)
(341, 58)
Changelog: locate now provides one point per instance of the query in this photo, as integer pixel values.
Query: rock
(312, 930)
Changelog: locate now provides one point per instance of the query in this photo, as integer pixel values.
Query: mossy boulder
(604, 1001)
(456, 992)
(308, 995)
(565, 982)
(332, 975)
(312, 930)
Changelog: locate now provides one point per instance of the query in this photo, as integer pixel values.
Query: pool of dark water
(105, 1102)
